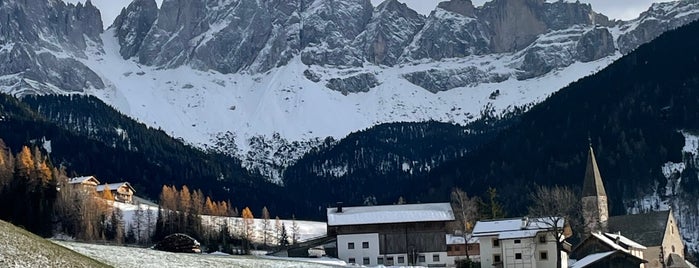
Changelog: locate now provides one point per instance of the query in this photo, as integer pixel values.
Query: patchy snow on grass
(129, 257)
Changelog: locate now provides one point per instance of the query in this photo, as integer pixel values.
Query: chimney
(525, 222)
(339, 207)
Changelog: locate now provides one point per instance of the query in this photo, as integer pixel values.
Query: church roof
(676, 261)
(646, 229)
(592, 185)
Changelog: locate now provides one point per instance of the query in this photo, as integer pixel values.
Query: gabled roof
(459, 240)
(114, 186)
(593, 258)
(82, 179)
(592, 184)
(646, 229)
(390, 214)
(515, 228)
(624, 240)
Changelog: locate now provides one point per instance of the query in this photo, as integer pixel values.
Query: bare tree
(555, 208)
(466, 210)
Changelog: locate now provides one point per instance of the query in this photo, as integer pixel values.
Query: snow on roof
(515, 228)
(113, 186)
(390, 214)
(609, 242)
(459, 240)
(590, 259)
(81, 179)
(625, 240)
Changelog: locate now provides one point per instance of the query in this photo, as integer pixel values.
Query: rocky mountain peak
(132, 25)
(392, 28)
(461, 7)
(38, 34)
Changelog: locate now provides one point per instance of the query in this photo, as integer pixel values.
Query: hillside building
(526, 243)
(87, 182)
(122, 191)
(657, 231)
(400, 235)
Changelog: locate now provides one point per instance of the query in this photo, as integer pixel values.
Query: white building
(518, 243)
(398, 235)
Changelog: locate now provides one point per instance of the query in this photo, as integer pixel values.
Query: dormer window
(542, 239)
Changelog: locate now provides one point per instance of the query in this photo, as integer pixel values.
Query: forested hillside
(632, 112)
(381, 164)
(90, 138)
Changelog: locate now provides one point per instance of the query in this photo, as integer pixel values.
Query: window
(389, 261)
(496, 242)
(351, 260)
(435, 257)
(518, 256)
(379, 260)
(457, 248)
(401, 259)
(365, 244)
(542, 239)
(496, 258)
(421, 258)
(365, 261)
(517, 241)
(543, 255)
(350, 245)
(673, 249)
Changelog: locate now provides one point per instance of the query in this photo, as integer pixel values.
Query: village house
(401, 235)
(87, 182)
(122, 191)
(520, 242)
(458, 250)
(657, 231)
(608, 250)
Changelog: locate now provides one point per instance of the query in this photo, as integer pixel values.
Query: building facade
(525, 243)
(122, 191)
(399, 235)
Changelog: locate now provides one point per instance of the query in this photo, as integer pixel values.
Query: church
(657, 231)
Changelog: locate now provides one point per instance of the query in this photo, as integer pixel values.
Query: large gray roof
(646, 229)
(592, 185)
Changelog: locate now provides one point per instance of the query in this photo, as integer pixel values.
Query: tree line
(218, 225)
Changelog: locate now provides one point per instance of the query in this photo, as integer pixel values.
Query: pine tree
(248, 224)
(265, 225)
(295, 229)
(277, 229)
(107, 193)
(283, 237)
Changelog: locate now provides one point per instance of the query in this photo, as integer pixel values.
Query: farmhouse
(657, 231)
(401, 235)
(458, 250)
(519, 243)
(88, 182)
(122, 191)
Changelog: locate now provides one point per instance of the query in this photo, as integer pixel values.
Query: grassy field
(129, 257)
(19, 248)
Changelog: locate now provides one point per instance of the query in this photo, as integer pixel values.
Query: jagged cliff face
(40, 43)
(202, 68)
(234, 36)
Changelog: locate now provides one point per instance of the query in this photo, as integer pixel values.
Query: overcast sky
(615, 9)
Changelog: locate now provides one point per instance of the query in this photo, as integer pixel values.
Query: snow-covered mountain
(255, 78)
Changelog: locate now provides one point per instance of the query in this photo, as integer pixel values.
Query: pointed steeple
(592, 186)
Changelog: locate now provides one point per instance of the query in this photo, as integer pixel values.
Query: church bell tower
(594, 197)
